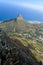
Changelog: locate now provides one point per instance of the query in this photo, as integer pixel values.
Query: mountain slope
(20, 25)
(17, 48)
(32, 33)
(16, 25)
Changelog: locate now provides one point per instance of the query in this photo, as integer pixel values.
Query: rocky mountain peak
(19, 17)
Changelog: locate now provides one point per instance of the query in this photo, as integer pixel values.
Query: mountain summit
(19, 17)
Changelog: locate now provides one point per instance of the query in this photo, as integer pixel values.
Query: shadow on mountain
(13, 52)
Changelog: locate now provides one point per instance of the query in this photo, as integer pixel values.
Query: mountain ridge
(31, 32)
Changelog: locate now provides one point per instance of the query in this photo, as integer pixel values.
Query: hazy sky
(30, 9)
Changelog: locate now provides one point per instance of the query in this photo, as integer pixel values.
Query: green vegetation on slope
(30, 35)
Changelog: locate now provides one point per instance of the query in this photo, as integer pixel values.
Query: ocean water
(8, 12)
